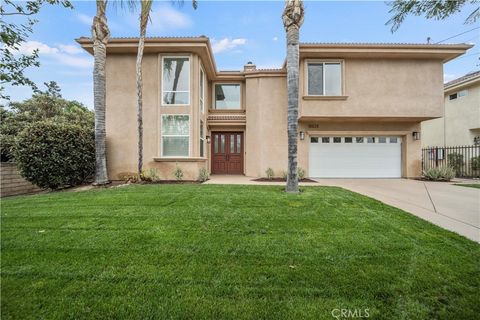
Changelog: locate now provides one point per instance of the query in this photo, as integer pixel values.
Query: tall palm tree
(292, 17)
(146, 7)
(100, 35)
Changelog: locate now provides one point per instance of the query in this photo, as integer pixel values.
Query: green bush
(202, 174)
(53, 155)
(178, 173)
(300, 173)
(269, 173)
(151, 175)
(455, 161)
(129, 177)
(440, 174)
(475, 163)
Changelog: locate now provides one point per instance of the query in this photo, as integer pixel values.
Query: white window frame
(214, 100)
(202, 93)
(174, 135)
(189, 82)
(202, 139)
(324, 61)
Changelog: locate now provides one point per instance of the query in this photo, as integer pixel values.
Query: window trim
(174, 135)
(202, 93)
(202, 139)
(342, 80)
(214, 100)
(189, 81)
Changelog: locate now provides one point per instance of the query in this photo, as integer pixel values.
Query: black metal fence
(465, 160)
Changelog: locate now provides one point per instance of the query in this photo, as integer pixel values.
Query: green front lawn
(472, 185)
(229, 252)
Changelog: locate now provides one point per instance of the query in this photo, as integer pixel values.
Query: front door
(227, 152)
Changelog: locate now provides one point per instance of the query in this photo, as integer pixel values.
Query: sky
(240, 31)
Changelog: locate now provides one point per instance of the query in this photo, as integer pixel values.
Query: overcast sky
(240, 31)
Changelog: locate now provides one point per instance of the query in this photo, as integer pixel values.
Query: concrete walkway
(451, 207)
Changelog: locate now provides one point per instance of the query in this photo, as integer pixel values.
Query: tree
(146, 7)
(100, 36)
(13, 34)
(431, 9)
(292, 17)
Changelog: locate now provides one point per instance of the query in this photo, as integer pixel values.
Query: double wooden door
(227, 152)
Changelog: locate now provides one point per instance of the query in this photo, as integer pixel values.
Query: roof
(202, 46)
(463, 79)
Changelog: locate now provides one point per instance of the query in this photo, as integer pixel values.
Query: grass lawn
(472, 185)
(228, 252)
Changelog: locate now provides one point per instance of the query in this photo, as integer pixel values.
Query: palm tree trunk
(292, 115)
(141, 45)
(100, 35)
(292, 20)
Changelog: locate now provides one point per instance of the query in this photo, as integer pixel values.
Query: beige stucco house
(360, 107)
(460, 125)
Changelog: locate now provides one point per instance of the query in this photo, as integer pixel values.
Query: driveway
(449, 206)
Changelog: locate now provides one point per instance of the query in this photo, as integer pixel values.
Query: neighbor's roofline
(462, 82)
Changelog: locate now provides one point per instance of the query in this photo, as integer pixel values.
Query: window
(393, 139)
(324, 79)
(176, 81)
(202, 91)
(313, 139)
(227, 96)
(325, 139)
(462, 93)
(202, 139)
(371, 140)
(452, 96)
(348, 139)
(337, 139)
(382, 140)
(175, 135)
(359, 139)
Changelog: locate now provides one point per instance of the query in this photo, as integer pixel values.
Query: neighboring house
(460, 125)
(360, 106)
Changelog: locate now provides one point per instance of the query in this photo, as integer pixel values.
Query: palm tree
(100, 35)
(146, 7)
(292, 21)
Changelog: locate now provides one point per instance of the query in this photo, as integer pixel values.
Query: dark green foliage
(54, 155)
(228, 252)
(431, 9)
(475, 162)
(43, 106)
(455, 161)
(16, 23)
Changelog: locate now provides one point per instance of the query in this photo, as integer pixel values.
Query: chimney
(249, 67)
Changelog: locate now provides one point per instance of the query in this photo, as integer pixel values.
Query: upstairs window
(324, 79)
(458, 94)
(227, 96)
(176, 81)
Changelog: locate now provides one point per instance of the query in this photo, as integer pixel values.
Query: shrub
(284, 174)
(440, 174)
(203, 174)
(300, 173)
(178, 173)
(151, 175)
(129, 177)
(269, 173)
(53, 155)
(455, 160)
(475, 163)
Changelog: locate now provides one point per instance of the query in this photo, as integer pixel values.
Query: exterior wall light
(302, 135)
(416, 135)
(208, 139)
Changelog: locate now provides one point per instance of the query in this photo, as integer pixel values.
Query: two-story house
(460, 125)
(360, 108)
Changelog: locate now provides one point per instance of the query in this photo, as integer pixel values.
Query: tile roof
(378, 44)
(466, 77)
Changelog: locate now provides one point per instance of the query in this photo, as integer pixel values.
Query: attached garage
(355, 157)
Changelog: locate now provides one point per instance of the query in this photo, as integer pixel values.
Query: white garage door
(355, 157)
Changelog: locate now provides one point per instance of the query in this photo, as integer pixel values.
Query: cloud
(227, 44)
(275, 39)
(85, 19)
(167, 18)
(63, 54)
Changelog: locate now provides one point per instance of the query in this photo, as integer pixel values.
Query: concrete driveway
(452, 207)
